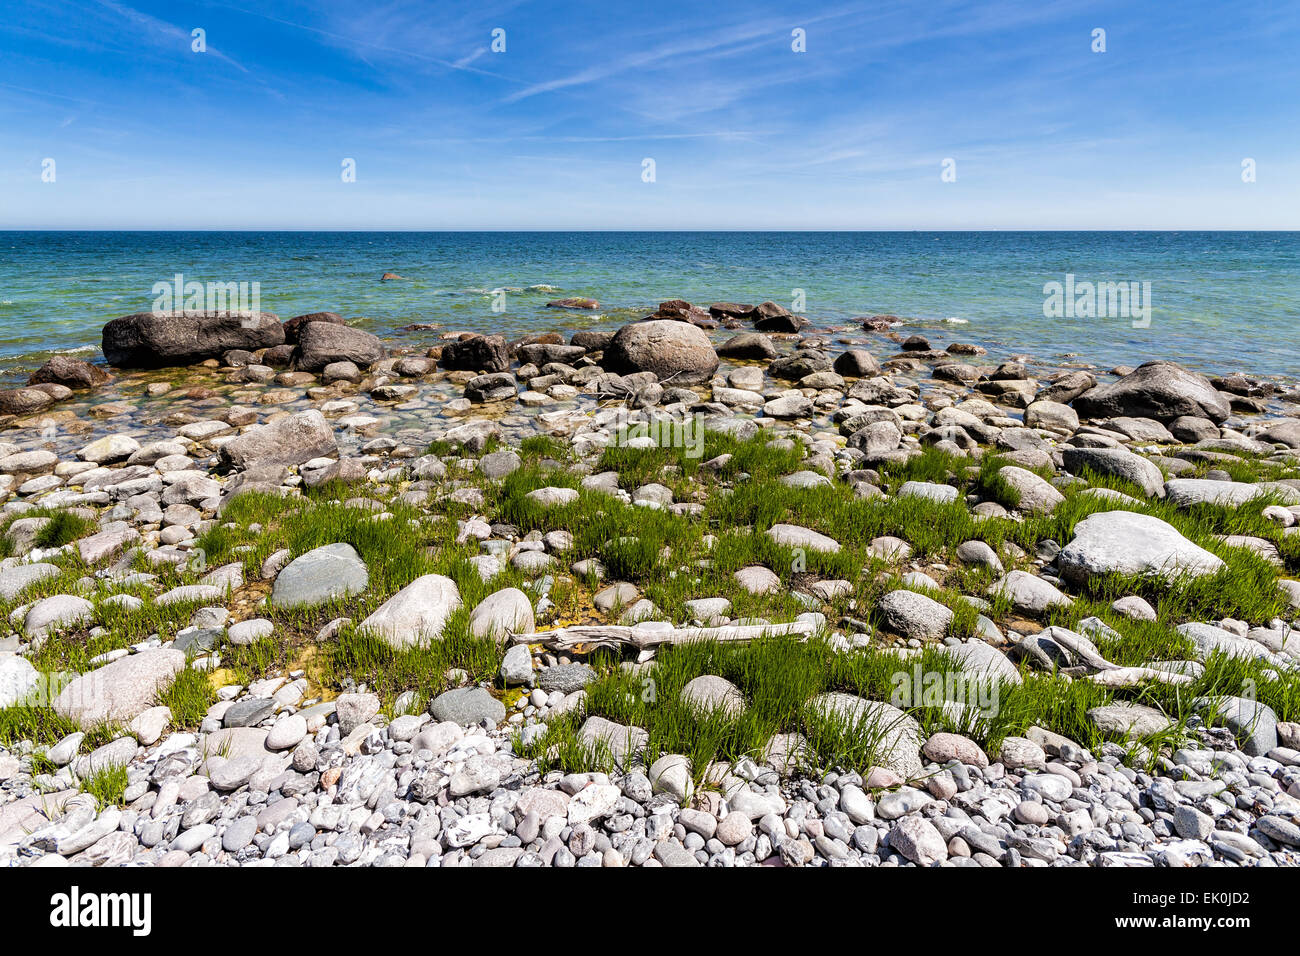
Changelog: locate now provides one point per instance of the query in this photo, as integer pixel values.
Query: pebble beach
(722, 585)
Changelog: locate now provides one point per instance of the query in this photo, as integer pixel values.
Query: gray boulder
(1130, 543)
(676, 352)
(13, 581)
(119, 692)
(501, 614)
(1253, 723)
(286, 441)
(1116, 462)
(321, 575)
(156, 340)
(323, 343)
(1029, 593)
(1035, 493)
(896, 736)
(1185, 492)
(1160, 390)
(416, 614)
(915, 615)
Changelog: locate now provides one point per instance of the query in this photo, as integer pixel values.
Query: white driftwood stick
(651, 634)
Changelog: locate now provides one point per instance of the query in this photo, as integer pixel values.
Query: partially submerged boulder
(293, 326)
(65, 370)
(161, 339)
(477, 353)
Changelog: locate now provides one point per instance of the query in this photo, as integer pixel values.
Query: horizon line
(616, 229)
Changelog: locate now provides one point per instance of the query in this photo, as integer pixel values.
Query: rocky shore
(719, 587)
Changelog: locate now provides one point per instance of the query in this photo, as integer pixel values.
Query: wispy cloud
(161, 33)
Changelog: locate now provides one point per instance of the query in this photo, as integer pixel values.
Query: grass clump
(63, 528)
(107, 786)
(189, 697)
(39, 724)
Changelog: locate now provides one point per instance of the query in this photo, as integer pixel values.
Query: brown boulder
(675, 351)
(293, 326)
(74, 373)
(477, 353)
(322, 343)
(574, 302)
(23, 401)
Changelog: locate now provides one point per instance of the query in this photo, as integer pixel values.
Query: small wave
(541, 287)
(953, 320)
(76, 350)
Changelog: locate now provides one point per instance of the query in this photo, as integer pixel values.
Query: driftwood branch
(651, 634)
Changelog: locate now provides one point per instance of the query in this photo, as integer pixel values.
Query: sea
(1220, 302)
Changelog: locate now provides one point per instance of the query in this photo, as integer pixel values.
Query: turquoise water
(1221, 302)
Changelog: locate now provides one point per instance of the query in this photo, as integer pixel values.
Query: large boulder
(857, 363)
(292, 327)
(505, 612)
(1159, 390)
(1118, 462)
(328, 573)
(1126, 542)
(1284, 432)
(748, 345)
(160, 339)
(415, 615)
(15, 580)
(677, 352)
(897, 737)
(544, 353)
(1035, 493)
(291, 440)
(119, 692)
(23, 401)
(1028, 593)
(321, 343)
(19, 680)
(1185, 492)
(914, 615)
(74, 373)
(478, 353)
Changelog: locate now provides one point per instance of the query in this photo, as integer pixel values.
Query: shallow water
(1221, 302)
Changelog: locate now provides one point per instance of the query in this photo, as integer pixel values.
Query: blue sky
(744, 132)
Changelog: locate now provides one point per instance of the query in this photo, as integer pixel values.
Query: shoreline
(1082, 561)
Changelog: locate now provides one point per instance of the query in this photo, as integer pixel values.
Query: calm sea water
(1220, 301)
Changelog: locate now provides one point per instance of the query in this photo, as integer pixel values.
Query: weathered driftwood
(650, 634)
